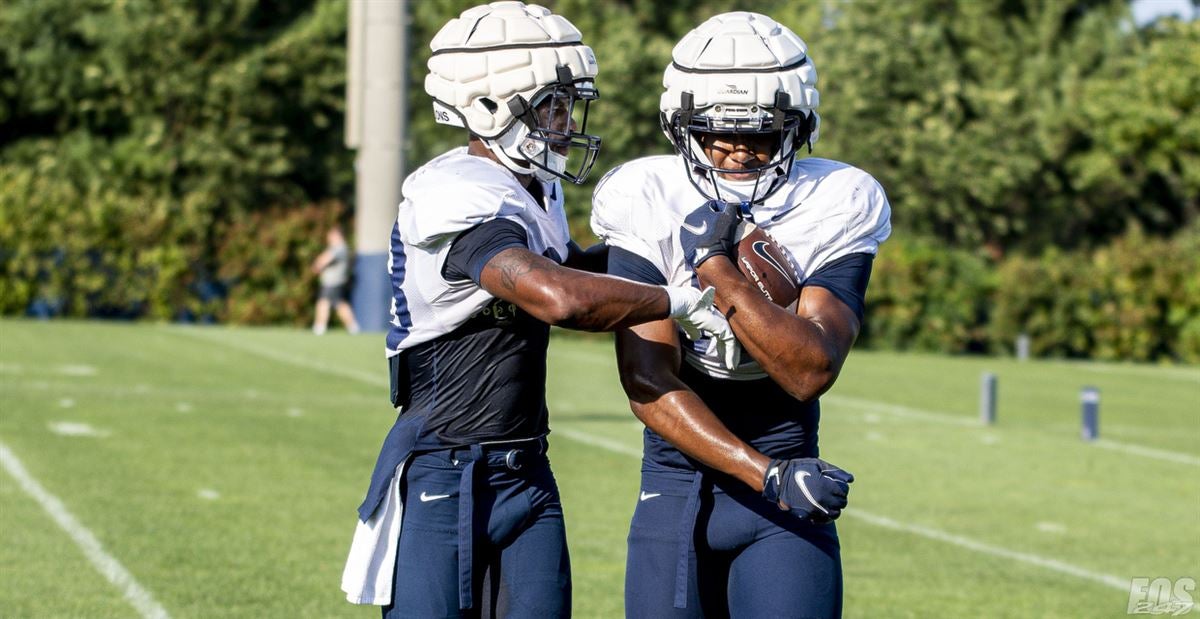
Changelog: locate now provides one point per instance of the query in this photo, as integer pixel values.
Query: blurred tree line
(171, 159)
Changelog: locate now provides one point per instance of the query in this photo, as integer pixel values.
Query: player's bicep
(834, 298)
(532, 282)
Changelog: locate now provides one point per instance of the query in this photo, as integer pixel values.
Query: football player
(462, 516)
(735, 511)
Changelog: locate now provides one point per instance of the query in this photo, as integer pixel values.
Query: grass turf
(228, 462)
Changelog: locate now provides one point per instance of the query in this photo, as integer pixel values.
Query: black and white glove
(694, 312)
(810, 488)
(708, 231)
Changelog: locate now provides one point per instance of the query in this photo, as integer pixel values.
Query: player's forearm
(667, 406)
(683, 420)
(604, 303)
(569, 298)
(793, 350)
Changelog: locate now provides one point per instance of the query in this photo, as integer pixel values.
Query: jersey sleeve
(617, 221)
(626, 264)
(472, 249)
(442, 203)
(846, 278)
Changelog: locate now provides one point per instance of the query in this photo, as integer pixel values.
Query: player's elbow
(815, 376)
(568, 311)
(643, 385)
(639, 386)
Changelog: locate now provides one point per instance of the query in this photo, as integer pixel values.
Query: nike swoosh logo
(649, 495)
(774, 472)
(695, 230)
(425, 498)
(760, 248)
(800, 475)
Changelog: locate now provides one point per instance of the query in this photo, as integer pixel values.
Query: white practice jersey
(825, 210)
(453, 193)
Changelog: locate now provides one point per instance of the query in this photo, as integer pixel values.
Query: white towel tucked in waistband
(371, 565)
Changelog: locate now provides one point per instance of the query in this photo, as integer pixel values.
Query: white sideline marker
(106, 564)
(1108, 580)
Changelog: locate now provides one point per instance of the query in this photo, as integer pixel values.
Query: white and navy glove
(810, 488)
(709, 231)
(694, 312)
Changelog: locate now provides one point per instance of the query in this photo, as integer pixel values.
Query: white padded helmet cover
(735, 60)
(495, 52)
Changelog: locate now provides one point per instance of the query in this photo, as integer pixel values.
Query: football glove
(709, 231)
(694, 312)
(810, 488)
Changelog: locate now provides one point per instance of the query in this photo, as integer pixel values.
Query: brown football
(766, 265)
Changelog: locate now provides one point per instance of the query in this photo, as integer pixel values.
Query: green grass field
(221, 468)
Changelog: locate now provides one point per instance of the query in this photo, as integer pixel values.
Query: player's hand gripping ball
(715, 229)
(709, 231)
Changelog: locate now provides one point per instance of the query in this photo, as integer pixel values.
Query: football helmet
(740, 73)
(519, 78)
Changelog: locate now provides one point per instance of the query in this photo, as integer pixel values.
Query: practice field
(213, 472)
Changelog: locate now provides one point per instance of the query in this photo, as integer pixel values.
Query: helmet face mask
(781, 129)
(554, 128)
(745, 80)
(520, 79)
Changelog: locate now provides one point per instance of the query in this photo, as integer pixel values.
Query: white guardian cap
(512, 74)
(740, 73)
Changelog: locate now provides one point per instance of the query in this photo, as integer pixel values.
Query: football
(766, 265)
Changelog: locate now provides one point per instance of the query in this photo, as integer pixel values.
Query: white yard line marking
(1148, 452)
(1051, 527)
(75, 428)
(950, 419)
(1115, 582)
(76, 370)
(377, 379)
(896, 410)
(1184, 374)
(104, 563)
(597, 441)
(1109, 580)
(115, 390)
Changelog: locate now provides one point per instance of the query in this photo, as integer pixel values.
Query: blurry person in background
(333, 265)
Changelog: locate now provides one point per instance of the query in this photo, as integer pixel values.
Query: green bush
(92, 248)
(924, 296)
(1136, 300)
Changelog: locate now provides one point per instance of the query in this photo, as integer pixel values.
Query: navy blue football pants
(509, 533)
(721, 550)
